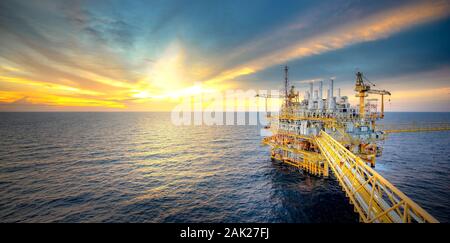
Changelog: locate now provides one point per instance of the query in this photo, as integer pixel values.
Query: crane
(316, 140)
(363, 90)
(382, 93)
(268, 96)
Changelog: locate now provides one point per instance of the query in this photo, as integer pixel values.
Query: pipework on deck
(315, 134)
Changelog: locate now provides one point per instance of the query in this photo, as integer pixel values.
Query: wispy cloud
(377, 26)
(74, 54)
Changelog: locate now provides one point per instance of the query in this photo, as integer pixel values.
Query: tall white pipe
(331, 101)
(320, 98)
(331, 88)
(320, 89)
(316, 97)
(310, 101)
(328, 97)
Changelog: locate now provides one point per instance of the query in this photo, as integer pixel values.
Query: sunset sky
(147, 55)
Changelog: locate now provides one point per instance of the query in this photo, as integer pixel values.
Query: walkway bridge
(375, 199)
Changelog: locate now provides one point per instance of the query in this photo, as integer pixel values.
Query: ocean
(138, 167)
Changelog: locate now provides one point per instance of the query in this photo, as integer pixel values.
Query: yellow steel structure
(363, 90)
(374, 198)
(288, 116)
(295, 135)
(310, 162)
(315, 134)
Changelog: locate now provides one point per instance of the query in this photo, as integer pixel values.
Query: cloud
(57, 53)
(374, 27)
(168, 14)
(13, 98)
(75, 50)
(423, 99)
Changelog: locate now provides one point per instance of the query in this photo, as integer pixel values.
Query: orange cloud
(72, 101)
(8, 96)
(55, 100)
(49, 86)
(69, 80)
(420, 95)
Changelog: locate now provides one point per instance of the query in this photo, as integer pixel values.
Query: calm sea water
(138, 167)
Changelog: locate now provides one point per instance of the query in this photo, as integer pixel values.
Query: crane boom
(363, 90)
(379, 92)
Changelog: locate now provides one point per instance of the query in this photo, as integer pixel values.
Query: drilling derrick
(317, 134)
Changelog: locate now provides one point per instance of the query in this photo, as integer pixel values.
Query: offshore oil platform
(317, 134)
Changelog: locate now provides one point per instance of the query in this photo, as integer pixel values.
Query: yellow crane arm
(382, 93)
(379, 92)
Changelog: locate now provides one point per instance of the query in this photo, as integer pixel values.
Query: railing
(301, 118)
(414, 127)
(374, 198)
(310, 162)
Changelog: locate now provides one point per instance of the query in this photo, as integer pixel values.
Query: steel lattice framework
(374, 198)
